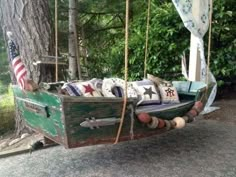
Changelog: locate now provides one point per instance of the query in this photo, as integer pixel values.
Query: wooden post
(194, 60)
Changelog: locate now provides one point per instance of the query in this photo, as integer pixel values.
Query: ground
(227, 113)
(204, 148)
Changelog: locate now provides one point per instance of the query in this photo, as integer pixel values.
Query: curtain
(197, 23)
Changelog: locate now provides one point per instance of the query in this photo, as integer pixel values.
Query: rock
(24, 135)
(3, 145)
(14, 141)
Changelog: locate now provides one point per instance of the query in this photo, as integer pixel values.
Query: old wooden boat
(79, 121)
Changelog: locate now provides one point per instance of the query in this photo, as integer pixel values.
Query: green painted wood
(59, 117)
(42, 112)
(77, 113)
(174, 112)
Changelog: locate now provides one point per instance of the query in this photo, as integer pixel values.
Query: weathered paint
(59, 117)
(42, 111)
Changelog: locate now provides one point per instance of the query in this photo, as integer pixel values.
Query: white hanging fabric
(198, 28)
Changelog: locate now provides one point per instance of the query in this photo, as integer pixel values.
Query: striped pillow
(86, 89)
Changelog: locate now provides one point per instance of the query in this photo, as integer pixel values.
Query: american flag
(17, 64)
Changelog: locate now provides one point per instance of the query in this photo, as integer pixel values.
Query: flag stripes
(17, 64)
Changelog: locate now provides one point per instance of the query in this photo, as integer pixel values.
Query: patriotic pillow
(97, 84)
(87, 89)
(114, 87)
(168, 94)
(71, 89)
(117, 91)
(147, 93)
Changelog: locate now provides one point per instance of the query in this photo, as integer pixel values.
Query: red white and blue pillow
(147, 93)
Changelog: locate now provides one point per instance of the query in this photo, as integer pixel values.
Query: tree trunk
(72, 40)
(29, 21)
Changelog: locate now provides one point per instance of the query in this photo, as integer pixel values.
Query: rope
(209, 50)
(209, 40)
(56, 43)
(131, 131)
(126, 71)
(146, 43)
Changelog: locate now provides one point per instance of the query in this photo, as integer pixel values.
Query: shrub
(7, 111)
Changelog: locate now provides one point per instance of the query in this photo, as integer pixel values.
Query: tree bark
(29, 21)
(72, 40)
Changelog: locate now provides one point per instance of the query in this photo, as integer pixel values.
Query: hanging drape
(198, 26)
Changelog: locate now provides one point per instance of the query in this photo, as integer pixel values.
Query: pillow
(147, 93)
(113, 87)
(168, 94)
(117, 91)
(97, 84)
(71, 89)
(87, 89)
(158, 81)
(81, 89)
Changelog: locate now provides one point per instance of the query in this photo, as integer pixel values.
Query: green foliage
(166, 31)
(223, 62)
(7, 111)
(103, 22)
(4, 72)
(7, 100)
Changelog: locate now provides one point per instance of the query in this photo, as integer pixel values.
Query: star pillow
(168, 94)
(147, 93)
(87, 89)
(97, 84)
(158, 81)
(114, 87)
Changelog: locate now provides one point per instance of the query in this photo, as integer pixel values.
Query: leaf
(229, 13)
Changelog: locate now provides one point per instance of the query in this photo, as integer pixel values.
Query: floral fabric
(185, 10)
(197, 27)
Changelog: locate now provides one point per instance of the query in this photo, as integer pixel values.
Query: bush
(7, 112)
(168, 38)
(4, 73)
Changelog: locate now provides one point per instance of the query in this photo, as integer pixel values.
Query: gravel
(205, 148)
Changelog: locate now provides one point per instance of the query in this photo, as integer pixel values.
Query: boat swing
(75, 121)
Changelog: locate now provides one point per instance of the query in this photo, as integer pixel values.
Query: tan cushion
(158, 81)
(168, 94)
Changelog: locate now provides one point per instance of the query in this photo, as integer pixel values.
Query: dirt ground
(227, 103)
(227, 113)
(21, 144)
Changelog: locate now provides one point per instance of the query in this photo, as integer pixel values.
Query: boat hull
(79, 121)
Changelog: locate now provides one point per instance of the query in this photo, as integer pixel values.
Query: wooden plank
(48, 63)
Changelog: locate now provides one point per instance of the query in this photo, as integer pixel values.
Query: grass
(7, 111)
(5, 79)
(7, 108)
